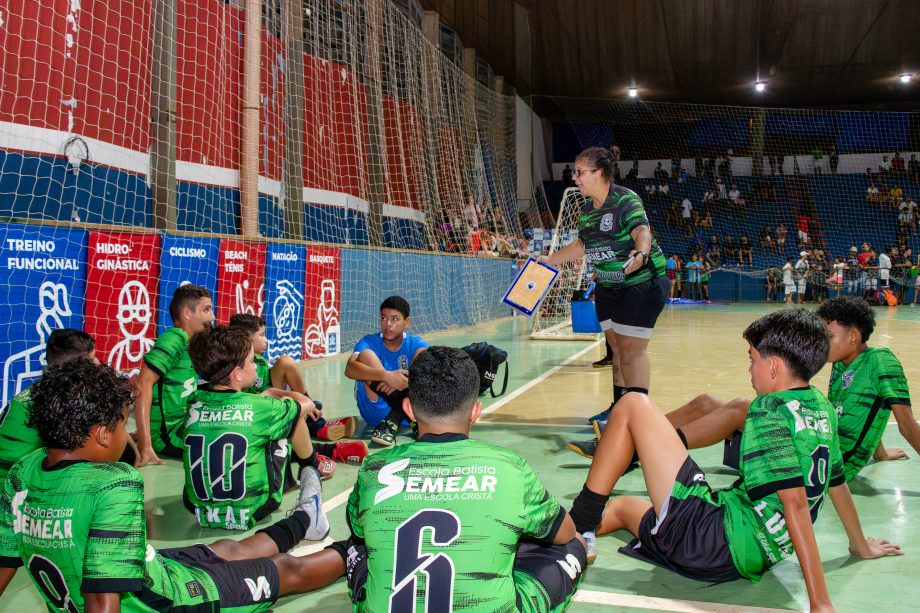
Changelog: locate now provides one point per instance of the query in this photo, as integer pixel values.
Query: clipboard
(530, 286)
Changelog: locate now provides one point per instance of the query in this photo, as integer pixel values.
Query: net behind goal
(553, 320)
(125, 171)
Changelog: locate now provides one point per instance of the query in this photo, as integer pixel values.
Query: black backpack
(488, 358)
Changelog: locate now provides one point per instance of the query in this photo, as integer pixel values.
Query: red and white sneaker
(325, 466)
(352, 452)
(335, 429)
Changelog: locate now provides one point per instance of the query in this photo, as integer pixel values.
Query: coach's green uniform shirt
(263, 375)
(457, 508)
(789, 441)
(606, 234)
(16, 439)
(169, 359)
(80, 527)
(863, 394)
(235, 453)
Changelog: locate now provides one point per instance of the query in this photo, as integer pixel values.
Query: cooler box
(584, 317)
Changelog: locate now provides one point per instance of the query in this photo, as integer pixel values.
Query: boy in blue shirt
(380, 367)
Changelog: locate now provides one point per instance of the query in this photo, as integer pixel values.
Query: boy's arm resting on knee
(798, 522)
(566, 531)
(866, 548)
(109, 602)
(6, 575)
(355, 369)
(145, 382)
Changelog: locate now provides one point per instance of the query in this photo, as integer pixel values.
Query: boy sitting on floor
(472, 517)
(236, 444)
(74, 516)
(790, 459)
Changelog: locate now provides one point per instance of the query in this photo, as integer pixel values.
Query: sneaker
(590, 545)
(602, 415)
(337, 429)
(605, 361)
(599, 426)
(413, 425)
(385, 433)
(324, 465)
(352, 452)
(311, 502)
(584, 448)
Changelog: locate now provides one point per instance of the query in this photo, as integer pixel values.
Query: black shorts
(240, 583)
(632, 310)
(689, 537)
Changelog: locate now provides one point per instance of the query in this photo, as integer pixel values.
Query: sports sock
(641, 390)
(587, 509)
(396, 416)
(618, 392)
(289, 531)
(325, 449)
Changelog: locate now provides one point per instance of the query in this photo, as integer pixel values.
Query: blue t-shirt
(392, 360)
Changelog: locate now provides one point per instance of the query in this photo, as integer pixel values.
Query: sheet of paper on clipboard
(530, 286)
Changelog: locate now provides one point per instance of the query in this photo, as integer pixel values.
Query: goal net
(341, 158)
(553, 319)
(750, 189)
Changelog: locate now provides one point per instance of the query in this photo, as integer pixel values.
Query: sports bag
(488, 358)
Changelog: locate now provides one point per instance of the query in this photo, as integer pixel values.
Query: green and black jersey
(263, 375)
(16, 439)
(170, 360)
(863, 394)
(453, 509)
(236, 449)
(606, 235)
(79, 527)
(789, 441)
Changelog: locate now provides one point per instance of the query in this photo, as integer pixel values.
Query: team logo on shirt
(606, 222)
(847, 379)
(404, 362)
(435, 483)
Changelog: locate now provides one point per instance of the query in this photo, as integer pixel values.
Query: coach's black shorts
(689, 536)
(632, 310)
(240, 583)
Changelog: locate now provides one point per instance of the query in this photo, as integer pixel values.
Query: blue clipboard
(530, 286)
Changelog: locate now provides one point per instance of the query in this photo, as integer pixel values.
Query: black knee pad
(557, 567)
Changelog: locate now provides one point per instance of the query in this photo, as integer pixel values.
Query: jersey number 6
(408, 561)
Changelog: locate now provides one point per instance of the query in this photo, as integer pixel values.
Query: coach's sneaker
(385, 433)
(601, 363)
(599, 426)
(351, 452)
(603, 415)
(324, 465)
(311, 503)
(337, 428)
(590, 545)
(584, 448)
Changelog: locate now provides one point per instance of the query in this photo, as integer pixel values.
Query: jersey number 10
(226, 472)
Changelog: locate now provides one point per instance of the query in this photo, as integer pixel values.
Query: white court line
(521, 424)
(495, 406)
(665, 604)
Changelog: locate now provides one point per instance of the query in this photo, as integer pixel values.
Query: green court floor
(552, 387)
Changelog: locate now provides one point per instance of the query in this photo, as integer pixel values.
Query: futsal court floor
(552, 389)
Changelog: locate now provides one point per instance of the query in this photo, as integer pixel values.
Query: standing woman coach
(614, 235)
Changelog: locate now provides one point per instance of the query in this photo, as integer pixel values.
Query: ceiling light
(633, 91)
(905, 78)
(760, 86)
